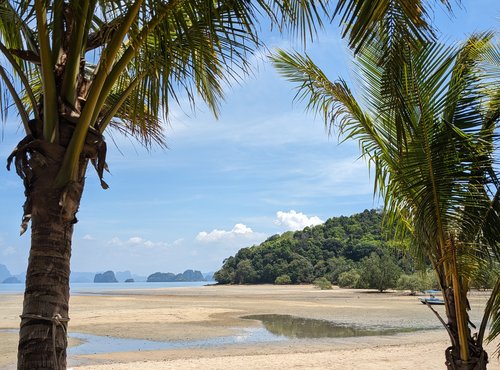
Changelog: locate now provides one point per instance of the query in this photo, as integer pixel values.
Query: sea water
(103, 288)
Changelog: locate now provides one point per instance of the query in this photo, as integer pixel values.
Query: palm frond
(432, 143)
(16, 35)
(363, 21)
(185, 55)
(301, 18)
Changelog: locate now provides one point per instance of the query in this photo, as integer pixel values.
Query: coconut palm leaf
(431, 142)
(187, 47)
(363, 21)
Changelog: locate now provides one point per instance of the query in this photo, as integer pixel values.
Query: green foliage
(336, 266)
(418, 281)
(349, 279)
(300, 270)
(283, 280)
(379, 272)
(245, 273)
(486, 277)
(325, 250)
(409, 282)
(322, 283)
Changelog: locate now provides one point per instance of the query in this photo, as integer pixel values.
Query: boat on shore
(432, 299)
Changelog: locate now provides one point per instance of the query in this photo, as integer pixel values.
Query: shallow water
(93, 344)
(276, 328)
(299, 327)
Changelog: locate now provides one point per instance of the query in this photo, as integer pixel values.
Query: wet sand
(215, 311)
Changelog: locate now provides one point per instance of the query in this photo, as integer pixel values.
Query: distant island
(106, 277)
(188, 275)
(88, 277)
(11, 280)
(6, 277)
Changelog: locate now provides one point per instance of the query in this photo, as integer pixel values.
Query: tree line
(350, 251)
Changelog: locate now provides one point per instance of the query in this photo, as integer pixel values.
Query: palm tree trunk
(477, 360)
(42, 336)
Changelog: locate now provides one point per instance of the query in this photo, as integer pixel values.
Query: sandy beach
(206, 313)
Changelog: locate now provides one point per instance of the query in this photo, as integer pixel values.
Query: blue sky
(264, 167)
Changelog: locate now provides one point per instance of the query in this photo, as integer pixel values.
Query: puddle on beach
(299, 327)
(94, 344)
(276, 328)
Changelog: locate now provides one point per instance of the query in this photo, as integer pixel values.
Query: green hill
(341, 244)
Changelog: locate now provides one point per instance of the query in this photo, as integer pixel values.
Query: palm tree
(77, 68)
(431, 139)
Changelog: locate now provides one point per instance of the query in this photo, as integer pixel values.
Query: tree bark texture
(44, 321)
(478, 360)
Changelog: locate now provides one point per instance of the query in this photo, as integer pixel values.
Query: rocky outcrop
(160, 277)
(129, 280)
(106, 277)
(188, 275)
(11, 280)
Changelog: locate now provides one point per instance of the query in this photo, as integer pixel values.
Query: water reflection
(94, 344)
(276, 328)
(299, 327)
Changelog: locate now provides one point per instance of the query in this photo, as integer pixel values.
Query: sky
(264, 167)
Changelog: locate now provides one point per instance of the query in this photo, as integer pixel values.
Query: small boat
(432, 298)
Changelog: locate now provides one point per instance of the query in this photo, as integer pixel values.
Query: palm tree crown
(430, 131)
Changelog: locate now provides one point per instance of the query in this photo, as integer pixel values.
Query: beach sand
(215, 311)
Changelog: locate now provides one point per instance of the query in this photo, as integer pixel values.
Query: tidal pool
(94, 344)
(299, 327)
(276, 328)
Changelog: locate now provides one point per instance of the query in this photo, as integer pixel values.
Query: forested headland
(349, 251)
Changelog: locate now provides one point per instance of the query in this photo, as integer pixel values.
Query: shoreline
(215, 311)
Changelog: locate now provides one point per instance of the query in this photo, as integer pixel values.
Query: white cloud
(137, 241)
(241, 229)
(293, 220)
(88, 237)
(9, 251)
(237, 231)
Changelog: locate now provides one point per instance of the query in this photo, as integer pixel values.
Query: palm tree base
(477, 362)
(52, 210)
